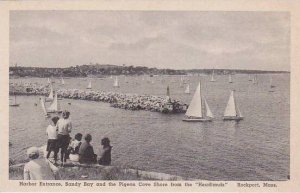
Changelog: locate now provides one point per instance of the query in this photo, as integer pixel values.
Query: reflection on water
(256, 148)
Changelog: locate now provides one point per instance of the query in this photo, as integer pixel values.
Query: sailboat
(232, 112)
(52, 79)
(187, 90)
(62, 81)
(230, 79)
(15, 104)
(212, 77)
(198, 110)
(271, 82)
(44, 107)
(51, 96)
(48, 81)
(249, 78)
(54, 107)
(116, 82)
(89, 85)
(255, 79)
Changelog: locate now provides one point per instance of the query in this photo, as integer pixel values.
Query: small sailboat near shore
(232, 111)
(198, 110)
(46, 114)
(14, 104)
(51, 96)
(62, 81)
(55, 106)
(254, 81)
(116, 82)
(89, 85)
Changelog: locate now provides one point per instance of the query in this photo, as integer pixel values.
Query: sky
(162, 39)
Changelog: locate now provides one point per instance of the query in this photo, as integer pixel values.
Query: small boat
(42, 100)
(198, 110)
(230, 79)
(89, 85)
(232, 111)
(51, 96)
(14, 104)
(48, 81)
(254, 80)
(55, 106)
(116, 82)
(187, 90)
(52, 79)
(62, 81)
(212, 77)
(249, 78)
(271, 82)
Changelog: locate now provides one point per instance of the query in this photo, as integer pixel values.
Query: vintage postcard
(150, 96)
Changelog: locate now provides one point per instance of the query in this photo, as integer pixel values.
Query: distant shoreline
(102, 71)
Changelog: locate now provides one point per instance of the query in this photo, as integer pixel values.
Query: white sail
(51, 93)
(195, 107)
(90, 85)
(212, 77)
(116, 83)
(230, 110)
(49, 81)
(54, 107)
(230, 79)
(43, 106)
(208, 111)
(187, 90)
(62, 81)
(239, 114)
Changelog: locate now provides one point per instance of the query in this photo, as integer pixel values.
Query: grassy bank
(80, 173)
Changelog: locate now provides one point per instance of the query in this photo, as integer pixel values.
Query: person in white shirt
(64, 127)
(52, 139)
(39, 168)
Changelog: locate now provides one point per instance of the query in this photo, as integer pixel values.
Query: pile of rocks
(117, 100)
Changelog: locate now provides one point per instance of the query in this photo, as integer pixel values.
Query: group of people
(75, 150)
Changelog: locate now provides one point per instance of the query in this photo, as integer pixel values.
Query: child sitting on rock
(73, 149)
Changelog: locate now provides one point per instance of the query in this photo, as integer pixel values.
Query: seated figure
(86, 151)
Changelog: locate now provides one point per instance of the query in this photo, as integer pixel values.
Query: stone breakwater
(117, 100)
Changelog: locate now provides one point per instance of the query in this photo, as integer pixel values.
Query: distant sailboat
(230, 79)
(44, 107)
(14, 104)
(116, 82)
(62, 81)
(232, 111)
(249, 78)
(89, 85)
(187, 90)
(55, 106)
(198, 110)
(52, 79)
(271, 85)
(51, 96)
(212, 77)
(271, 82)
(48, 81)
(255, 79)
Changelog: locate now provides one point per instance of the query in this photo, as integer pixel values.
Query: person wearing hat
(39, 168)
(64, 128)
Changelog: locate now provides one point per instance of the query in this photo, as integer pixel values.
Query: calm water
(256, 148)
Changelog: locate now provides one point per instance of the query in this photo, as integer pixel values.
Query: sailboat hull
(197, 120)
(233, 118)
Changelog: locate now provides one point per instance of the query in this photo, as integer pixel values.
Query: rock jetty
(117, 100)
